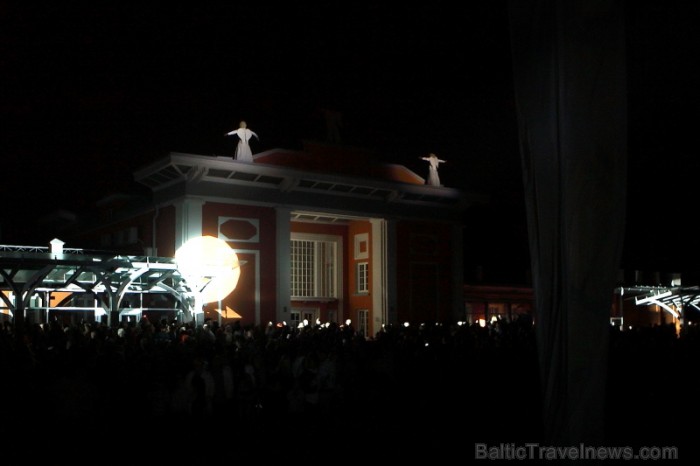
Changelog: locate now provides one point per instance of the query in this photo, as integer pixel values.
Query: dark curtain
(570, 90)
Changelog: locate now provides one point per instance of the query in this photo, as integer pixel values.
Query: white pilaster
(188, 220)
(379, 274)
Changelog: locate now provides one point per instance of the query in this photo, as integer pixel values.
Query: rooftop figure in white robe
(433, 178)
(243, 152)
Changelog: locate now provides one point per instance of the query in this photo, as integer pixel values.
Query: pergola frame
(30, 271)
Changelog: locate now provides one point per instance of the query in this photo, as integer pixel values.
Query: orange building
(483, 303)
(324, 234)
(632, 304)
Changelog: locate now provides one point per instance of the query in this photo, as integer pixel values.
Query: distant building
(483, 303)
(639, 300)
(325, 234)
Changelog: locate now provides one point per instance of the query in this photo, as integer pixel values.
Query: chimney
(56, 246)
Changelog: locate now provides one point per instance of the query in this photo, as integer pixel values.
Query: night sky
(90, 92)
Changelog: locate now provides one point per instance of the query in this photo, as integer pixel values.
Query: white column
(188, 220)
(283, 237)
(379, 274)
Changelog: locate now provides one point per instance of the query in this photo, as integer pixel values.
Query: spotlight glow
(209, 265)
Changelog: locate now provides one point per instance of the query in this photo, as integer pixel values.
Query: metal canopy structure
(674, 299)
(99, 282)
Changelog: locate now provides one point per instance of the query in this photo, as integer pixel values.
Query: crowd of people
(276, 389)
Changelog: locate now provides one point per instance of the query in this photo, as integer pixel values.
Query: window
(120, 238)
(363, 322)
(294, 319)
(315, 268)
(309, 315)
(298, 316)
(362, 277)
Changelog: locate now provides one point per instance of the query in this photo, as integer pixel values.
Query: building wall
(165, 232)
(412, 270)
(250, 232)
(127, 236)
(484, 302)
(424, 261)
(133, 235)
(645, 316)
(360, 250)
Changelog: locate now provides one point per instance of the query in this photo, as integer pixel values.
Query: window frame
(327, 283)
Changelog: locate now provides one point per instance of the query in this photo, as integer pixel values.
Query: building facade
(324, 234)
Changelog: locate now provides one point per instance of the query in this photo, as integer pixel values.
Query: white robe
(433, 178)
(243, 152)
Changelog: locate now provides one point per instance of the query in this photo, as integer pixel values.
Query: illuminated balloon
(209, 265)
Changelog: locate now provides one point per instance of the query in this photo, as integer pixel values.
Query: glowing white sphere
(210, 265)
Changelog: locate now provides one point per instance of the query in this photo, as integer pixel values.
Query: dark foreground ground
(88, 395)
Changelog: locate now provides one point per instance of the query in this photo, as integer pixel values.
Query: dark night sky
(89, 92)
